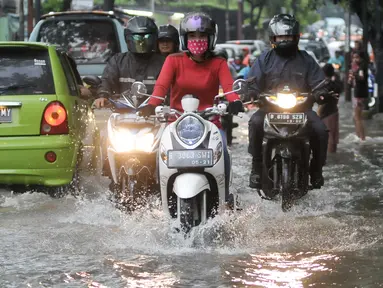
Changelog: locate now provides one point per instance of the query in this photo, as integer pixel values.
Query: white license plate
(286, 118)
(5, 115)
(190, 158)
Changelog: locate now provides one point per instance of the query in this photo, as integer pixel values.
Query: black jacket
(331, 106)
(273, 72)
(124, 69)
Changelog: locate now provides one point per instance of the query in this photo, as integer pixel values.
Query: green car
(47, 131)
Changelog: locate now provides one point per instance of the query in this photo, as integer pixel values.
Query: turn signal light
(55, 119)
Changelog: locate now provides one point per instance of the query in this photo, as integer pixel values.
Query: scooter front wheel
(186, 214)
(127, 192)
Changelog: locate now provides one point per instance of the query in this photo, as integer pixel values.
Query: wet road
(331, 238)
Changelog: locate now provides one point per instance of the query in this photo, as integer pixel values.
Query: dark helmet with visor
(284, 25)
(141, 35)
(198, 22)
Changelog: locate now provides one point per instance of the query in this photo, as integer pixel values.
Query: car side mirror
(92, 81)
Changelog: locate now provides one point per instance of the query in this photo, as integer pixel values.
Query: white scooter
(191, 161)
(132, 147)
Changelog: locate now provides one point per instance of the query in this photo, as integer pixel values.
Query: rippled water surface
(333, 237)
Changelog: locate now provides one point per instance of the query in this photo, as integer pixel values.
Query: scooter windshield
(121, 106)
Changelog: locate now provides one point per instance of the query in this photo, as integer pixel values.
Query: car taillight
(55, 120)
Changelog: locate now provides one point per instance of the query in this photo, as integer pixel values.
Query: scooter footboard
(188, 185)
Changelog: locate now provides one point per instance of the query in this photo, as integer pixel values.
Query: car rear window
(87, 41)
(25, 71)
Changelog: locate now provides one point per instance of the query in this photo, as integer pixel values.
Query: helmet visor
(196, 23)
(140, 43)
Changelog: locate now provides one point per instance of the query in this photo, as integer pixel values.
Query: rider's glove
(103, 94)
(147, 110)
(321, 95)
(235, 107)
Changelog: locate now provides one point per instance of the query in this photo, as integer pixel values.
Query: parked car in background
(90, 37)
(333, 26)
(311, 53)
(318, 46)
(234, 49)
(257, 46)
(231, 51)
(48, 132)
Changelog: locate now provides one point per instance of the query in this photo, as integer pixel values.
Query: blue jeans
(226, 159)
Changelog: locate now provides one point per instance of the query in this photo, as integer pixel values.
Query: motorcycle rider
(168, 41)
(244, 73)
(140, 63)
(199, 72)
(283, 65)
(237, 63)
(227, 120)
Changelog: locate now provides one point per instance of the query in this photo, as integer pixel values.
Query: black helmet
(170, 32)
(284, 25)
(198, 21)
(328, 70)
(141, 34)
(222, 53)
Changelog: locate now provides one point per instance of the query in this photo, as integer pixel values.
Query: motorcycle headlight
(285, 101)
(190, 130)
(145, 142)
(124, 141)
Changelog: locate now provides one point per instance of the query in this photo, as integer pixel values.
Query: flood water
(333, 237)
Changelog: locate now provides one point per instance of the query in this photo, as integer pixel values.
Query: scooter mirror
(138, 88)
(240, 86)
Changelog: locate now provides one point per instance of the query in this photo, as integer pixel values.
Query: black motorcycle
(286, 148)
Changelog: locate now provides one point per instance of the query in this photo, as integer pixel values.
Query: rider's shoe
(316, 177)
(317, 180)
(255, 175)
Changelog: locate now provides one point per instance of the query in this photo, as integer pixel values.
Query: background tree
(56, 6)
(255, 4)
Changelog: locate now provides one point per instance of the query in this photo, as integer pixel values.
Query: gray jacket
(124, 69)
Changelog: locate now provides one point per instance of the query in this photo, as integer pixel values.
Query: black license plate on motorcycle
(286, 118)
(190, 158)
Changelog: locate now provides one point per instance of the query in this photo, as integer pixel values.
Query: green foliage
(52, 6)
(304, 11)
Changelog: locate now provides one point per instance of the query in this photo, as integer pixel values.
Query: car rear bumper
(23, 160)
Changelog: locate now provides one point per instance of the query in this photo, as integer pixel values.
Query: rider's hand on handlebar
(100, 102)
(235, 107)
(146, 111)
(320, 95)
(330, 94)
